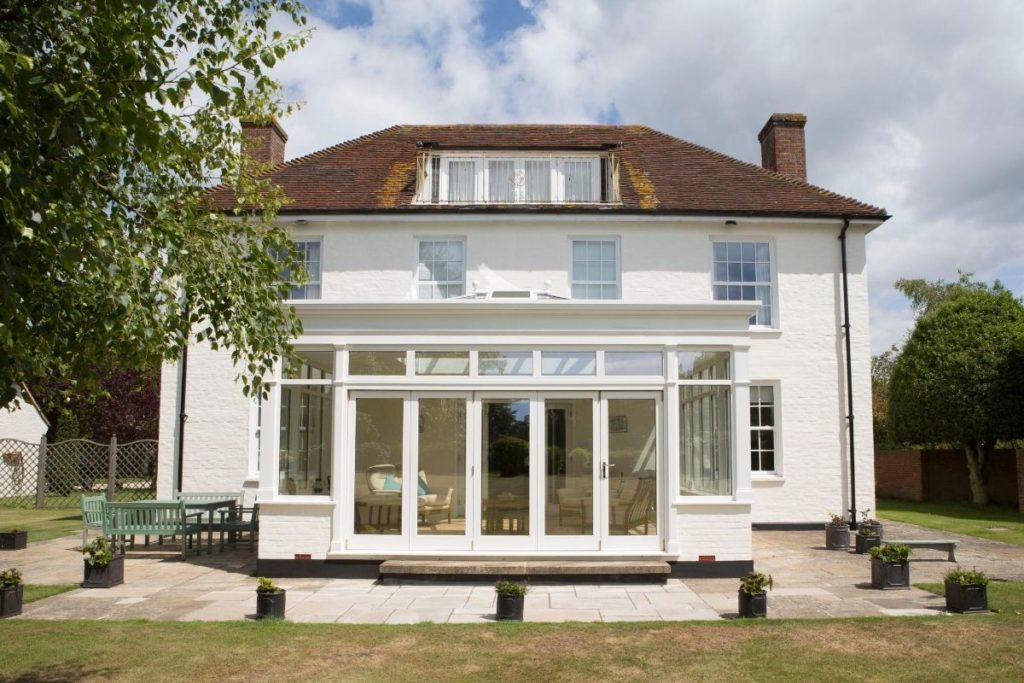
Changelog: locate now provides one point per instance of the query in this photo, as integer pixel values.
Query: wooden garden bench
(947, 545)
(152, 518)
(92, 515)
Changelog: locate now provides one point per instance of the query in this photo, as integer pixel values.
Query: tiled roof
(659, 174)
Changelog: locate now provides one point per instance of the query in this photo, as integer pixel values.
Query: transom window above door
(526, 178)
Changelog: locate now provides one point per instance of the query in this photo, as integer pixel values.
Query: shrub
(267, 585)
(967, 577)
(514, 588)
(756, 583)
(99, 552)
(888, 552)
(9, 578)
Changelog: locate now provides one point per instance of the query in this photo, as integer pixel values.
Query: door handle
(604, 470)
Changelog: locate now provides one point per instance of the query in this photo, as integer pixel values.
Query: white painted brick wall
(719, 530)
(663, 261)
(290, 528)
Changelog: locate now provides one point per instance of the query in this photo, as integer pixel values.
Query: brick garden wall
(941, 475)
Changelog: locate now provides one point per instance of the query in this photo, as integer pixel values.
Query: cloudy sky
(914, 106)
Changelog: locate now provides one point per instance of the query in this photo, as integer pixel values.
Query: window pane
(304, 463)
(310, 365)
(505, 480)
(461, 181)
(568, 362)
(378, 465)
(376, 362)
(501, 180)
(569, 467)
(441, 470)
(442, 362)
(703, 364)
(595, 265)
(442, 269)
(505, 362)
(632, 464)
(538, 181)
(636, 363)
(577, 180)
(705, 437)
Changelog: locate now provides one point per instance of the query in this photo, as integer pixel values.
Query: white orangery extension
(560, 366)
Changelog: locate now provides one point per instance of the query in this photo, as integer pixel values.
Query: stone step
(546, 571)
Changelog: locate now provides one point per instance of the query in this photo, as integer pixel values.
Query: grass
(42, 525)
(984, 521)
(35, 592)
(946, 648)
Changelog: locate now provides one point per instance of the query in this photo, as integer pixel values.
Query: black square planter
(753, 606)
(966, 599)
(864, 544)
(10, 601)
(104, 577)
(890, 575)
(510, 607)
(13, 540)
(270, 605)
(837, 537)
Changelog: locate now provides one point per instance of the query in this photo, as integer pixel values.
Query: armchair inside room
(383, 480)
(572, 496)
(431, 505)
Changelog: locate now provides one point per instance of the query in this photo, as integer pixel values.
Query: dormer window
(517, 178)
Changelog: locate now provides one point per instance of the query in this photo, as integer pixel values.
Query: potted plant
(867, 538)
(871, 523)
(104, 565)
(269, 599)
(11, 593)
(890, 566)
(753, 594)
(15, 539)
(837, 533)
(511, 599)
(966, 591)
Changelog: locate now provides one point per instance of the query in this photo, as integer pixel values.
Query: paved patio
(810, 582)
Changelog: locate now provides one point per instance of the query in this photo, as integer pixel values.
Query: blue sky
(911, 106)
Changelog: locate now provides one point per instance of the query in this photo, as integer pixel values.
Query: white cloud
(914, 106)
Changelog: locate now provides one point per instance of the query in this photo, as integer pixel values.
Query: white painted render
(21, 423)
(663, 261)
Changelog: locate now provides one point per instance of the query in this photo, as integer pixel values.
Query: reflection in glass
(705, 435)
(568, 362)
(632, 467)
(704, 365)
(442, 362)
(441, 479)
(505, 480)
(310, 365)
(635, 363)
(506, 362)
(378, 465)
(304, 464)
(376, 363)
(569, 469)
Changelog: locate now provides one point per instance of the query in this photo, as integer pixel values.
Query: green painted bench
(152, 518)
(947, 545)
(92, 515)
(240, 520)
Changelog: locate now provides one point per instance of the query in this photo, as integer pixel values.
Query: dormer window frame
(436, 178)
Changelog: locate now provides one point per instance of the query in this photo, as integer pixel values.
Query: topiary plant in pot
(11, 593)
(753, 594)
(15, 539)
(966, 591)
(890, 566)
(867, 538)
(511, 599)
(270, 599)
(837, 533)
(104, 564)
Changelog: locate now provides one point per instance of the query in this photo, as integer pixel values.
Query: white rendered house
(540, 341)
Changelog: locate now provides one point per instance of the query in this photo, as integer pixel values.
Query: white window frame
(618, 265)
(557, 162)
(776, 430)
(318, 282)
(417, 282)
(771, 283)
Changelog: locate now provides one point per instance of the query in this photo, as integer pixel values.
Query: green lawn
(35, 592)
(941, 648)
(985, 521)
(42, 525)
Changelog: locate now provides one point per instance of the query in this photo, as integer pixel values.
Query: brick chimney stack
(782, 145)
(264, 142)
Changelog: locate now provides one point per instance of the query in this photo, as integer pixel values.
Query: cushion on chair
(421, 486)
(391, 483)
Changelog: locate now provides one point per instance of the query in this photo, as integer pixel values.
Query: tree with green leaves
(958, 377)
(117, 116)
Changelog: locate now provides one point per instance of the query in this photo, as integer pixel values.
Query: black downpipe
(182, 417)
(849, 379)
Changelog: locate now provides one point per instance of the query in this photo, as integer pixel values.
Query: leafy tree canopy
(957, 379)
(117, 116)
